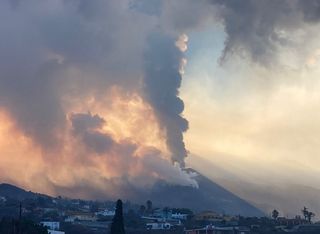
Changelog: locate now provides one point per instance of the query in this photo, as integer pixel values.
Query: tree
(142, 210)
(308, 215)
(51, 215)
(9, 225)
(133, 220)
(305, 212)
(94, 207)
(76, 228)
(149, 207)
(166, 212)
(275, 214)
(117, 226)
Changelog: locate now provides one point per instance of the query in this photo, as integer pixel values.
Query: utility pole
(13, 226)
(20, 217)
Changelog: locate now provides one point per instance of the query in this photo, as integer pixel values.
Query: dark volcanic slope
(209, 196)
(10, 191)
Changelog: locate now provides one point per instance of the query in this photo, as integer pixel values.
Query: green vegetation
(13, 226)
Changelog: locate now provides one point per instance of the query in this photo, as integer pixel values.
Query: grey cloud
(98, 142)
(150, 7)
(32, 101)
(42, 40)
(87, 126)
(82, 122)
(253, 27)
(258, 29)
(310, 9)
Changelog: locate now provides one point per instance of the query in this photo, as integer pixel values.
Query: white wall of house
(179, 216)
(158, 226)
(55, 232)
(51, 225)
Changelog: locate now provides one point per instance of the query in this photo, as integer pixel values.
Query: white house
(106, 212)
(55, 232)
(158, 226)
(51, 225)
(179, 216)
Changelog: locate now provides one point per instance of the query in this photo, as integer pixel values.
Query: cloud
(258, 121)
(86, 126)
(162, 82)
(61, 60)
(256, 30)
(260, 30)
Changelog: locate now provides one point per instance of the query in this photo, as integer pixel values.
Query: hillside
(209, 196)
(11, 191)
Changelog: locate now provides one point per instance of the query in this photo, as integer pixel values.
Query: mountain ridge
(208, 196)
(15, 192)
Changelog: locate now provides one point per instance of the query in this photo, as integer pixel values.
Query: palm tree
(308, 215)
(275, 214)
(305, 212)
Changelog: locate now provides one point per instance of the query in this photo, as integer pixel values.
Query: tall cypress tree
(117, 226)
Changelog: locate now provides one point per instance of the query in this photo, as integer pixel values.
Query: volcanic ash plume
(89, 102)
(162, 82)
(115, 152)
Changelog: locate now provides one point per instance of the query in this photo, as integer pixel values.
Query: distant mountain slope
(209, 196)
(288, 199)
(285, 196)
(11, 191)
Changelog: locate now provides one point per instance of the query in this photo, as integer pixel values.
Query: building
(51, 225)
(306, 228)
(106, 213)
(158, 226)
(291, 222)
(80, 216)
(179, 216)
(208, 216)
(162, 213)
(219, 230)
(55, 232)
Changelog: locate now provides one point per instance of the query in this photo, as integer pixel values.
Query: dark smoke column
(162, 81)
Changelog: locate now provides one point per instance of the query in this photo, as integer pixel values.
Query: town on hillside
(44, 214)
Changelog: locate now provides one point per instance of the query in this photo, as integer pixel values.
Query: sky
(258, 122)
(109, 97)
(253, 128)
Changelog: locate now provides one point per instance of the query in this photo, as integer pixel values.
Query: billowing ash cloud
(161, 83)
(41, 42)
(78, 80)
(310, 9)
(258, 29)
(86, 126)
(95, 84)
